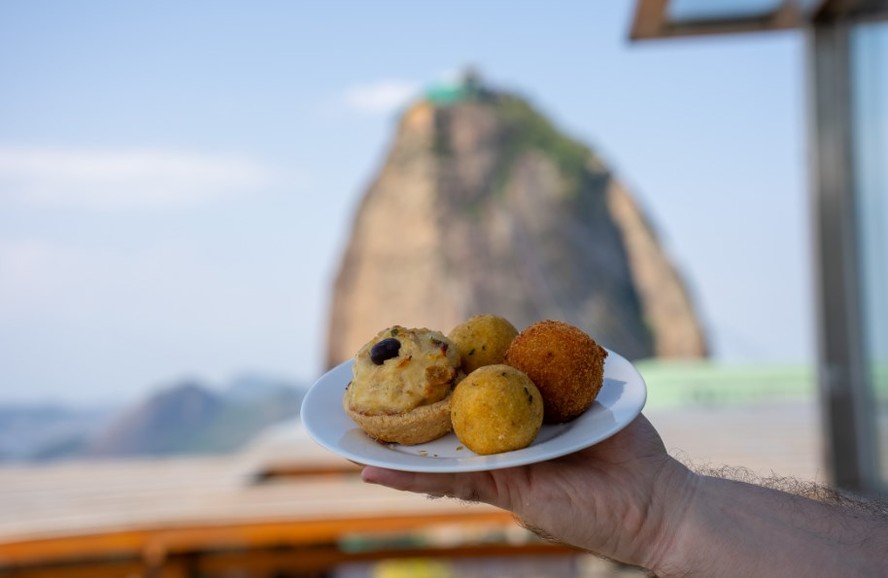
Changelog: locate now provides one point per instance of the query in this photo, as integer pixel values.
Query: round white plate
(620, 400)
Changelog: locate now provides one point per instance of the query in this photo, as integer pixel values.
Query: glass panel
(869, 57)
(697, 10)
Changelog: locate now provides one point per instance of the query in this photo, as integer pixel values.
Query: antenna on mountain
(471, 79)
(472, 84)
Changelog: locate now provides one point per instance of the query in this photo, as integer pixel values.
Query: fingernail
(367, 476)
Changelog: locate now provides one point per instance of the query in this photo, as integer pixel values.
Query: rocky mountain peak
(483, 206)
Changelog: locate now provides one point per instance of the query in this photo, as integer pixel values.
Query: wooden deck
(286, 503)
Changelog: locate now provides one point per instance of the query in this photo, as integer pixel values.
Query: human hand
(617, 498)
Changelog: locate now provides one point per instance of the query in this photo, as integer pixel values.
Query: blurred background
(205, 206)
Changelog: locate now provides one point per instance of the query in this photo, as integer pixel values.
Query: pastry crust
(417, 426)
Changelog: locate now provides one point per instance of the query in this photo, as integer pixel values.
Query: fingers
(439, 484)
(471, 487)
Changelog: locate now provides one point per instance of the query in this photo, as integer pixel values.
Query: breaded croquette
(565, 364)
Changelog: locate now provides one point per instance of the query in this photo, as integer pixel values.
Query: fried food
(564, 363)
(482, 340)
(496, 408)
(402, 382)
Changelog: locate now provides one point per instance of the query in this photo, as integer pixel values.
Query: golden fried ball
(482, 340)
(496, 408)
(565, 364)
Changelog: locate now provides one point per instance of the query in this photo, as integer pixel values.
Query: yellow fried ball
(496, 408)
(482, 340)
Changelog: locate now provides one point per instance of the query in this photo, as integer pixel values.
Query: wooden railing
(301, 549)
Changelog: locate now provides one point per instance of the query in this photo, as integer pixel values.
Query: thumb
(468, 486)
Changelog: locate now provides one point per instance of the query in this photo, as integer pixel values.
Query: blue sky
(177, 179)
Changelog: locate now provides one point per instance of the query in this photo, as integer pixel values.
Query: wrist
(674, 494)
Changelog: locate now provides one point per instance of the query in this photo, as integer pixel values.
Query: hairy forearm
(732, 528)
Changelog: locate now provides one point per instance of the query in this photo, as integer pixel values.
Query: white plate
(620, 400)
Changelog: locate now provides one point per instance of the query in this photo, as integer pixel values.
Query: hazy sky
(177, 179)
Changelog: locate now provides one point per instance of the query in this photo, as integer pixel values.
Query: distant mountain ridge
(483, 206)
(160, 424)
(41, 431)
(185, 417)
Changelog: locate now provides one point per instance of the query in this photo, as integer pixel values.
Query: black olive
(385, 349)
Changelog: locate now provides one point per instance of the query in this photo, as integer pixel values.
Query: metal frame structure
(652, 22)
(845, 391)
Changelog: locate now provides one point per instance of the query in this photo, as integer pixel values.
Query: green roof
(447, 94)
